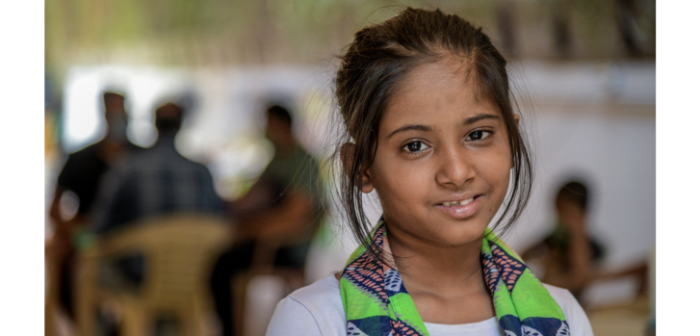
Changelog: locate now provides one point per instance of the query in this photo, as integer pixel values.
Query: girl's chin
(440, 230)
(456, 237)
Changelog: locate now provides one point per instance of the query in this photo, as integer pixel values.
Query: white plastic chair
(180, 251)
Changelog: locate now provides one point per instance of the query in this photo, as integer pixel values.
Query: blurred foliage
(229, 32)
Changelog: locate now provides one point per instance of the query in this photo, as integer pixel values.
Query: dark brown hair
(375, 64)
(169, 118)
(107, 95)
(576, 192)
(280, 113)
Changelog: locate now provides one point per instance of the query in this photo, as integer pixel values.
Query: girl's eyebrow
(424, 128)
(478, 117)
(410, 128)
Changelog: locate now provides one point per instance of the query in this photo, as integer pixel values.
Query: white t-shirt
(317, 310)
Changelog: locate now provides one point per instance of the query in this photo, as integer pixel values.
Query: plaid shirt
(155, 181)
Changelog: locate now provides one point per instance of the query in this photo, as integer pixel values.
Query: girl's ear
(347, 157)
(367, 185)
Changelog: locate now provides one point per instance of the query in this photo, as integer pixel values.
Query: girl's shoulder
(317, 309)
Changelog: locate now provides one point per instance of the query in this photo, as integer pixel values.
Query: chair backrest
(180, 251)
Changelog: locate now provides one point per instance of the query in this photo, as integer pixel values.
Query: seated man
(81, 175)
(283, 208)
(156, 181)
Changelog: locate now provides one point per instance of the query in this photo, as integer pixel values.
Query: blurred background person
(570, 256)
(561, 27)
(277, 217)
(81, 175)
(627, 13)
(157, 181)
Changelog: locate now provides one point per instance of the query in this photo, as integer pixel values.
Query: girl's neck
(438, 270)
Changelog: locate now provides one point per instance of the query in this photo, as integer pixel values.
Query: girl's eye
(416, 146)
(478, 135)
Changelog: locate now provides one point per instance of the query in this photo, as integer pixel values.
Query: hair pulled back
(377, 61)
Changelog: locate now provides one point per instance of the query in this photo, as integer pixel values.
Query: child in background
(571, 257)
(426, 102)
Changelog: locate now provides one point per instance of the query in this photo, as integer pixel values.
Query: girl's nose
(455, 168)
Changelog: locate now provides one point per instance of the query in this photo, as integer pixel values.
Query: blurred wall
(595, 122)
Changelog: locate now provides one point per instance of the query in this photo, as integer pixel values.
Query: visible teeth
(465, 202)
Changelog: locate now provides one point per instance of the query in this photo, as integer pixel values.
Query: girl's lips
(461, 211)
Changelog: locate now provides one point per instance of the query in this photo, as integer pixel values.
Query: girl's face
(443, 160)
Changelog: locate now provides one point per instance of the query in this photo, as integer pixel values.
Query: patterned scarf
(377, 304)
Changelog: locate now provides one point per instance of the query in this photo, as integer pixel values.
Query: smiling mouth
(464, 202)
(460, 203)
(461, 209)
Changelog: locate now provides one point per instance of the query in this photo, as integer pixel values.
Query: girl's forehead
(443, 74)
(436, 93)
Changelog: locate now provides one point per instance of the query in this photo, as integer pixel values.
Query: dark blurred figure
(81, 175)
(153, 182)
(506, 11)
(626, 24)
(561, 28)
(570, 255)
(279, 215)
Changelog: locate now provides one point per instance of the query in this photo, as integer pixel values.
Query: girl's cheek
(496, 170)
(405, 181)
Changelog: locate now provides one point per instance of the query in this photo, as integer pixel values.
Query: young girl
(426, 102)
